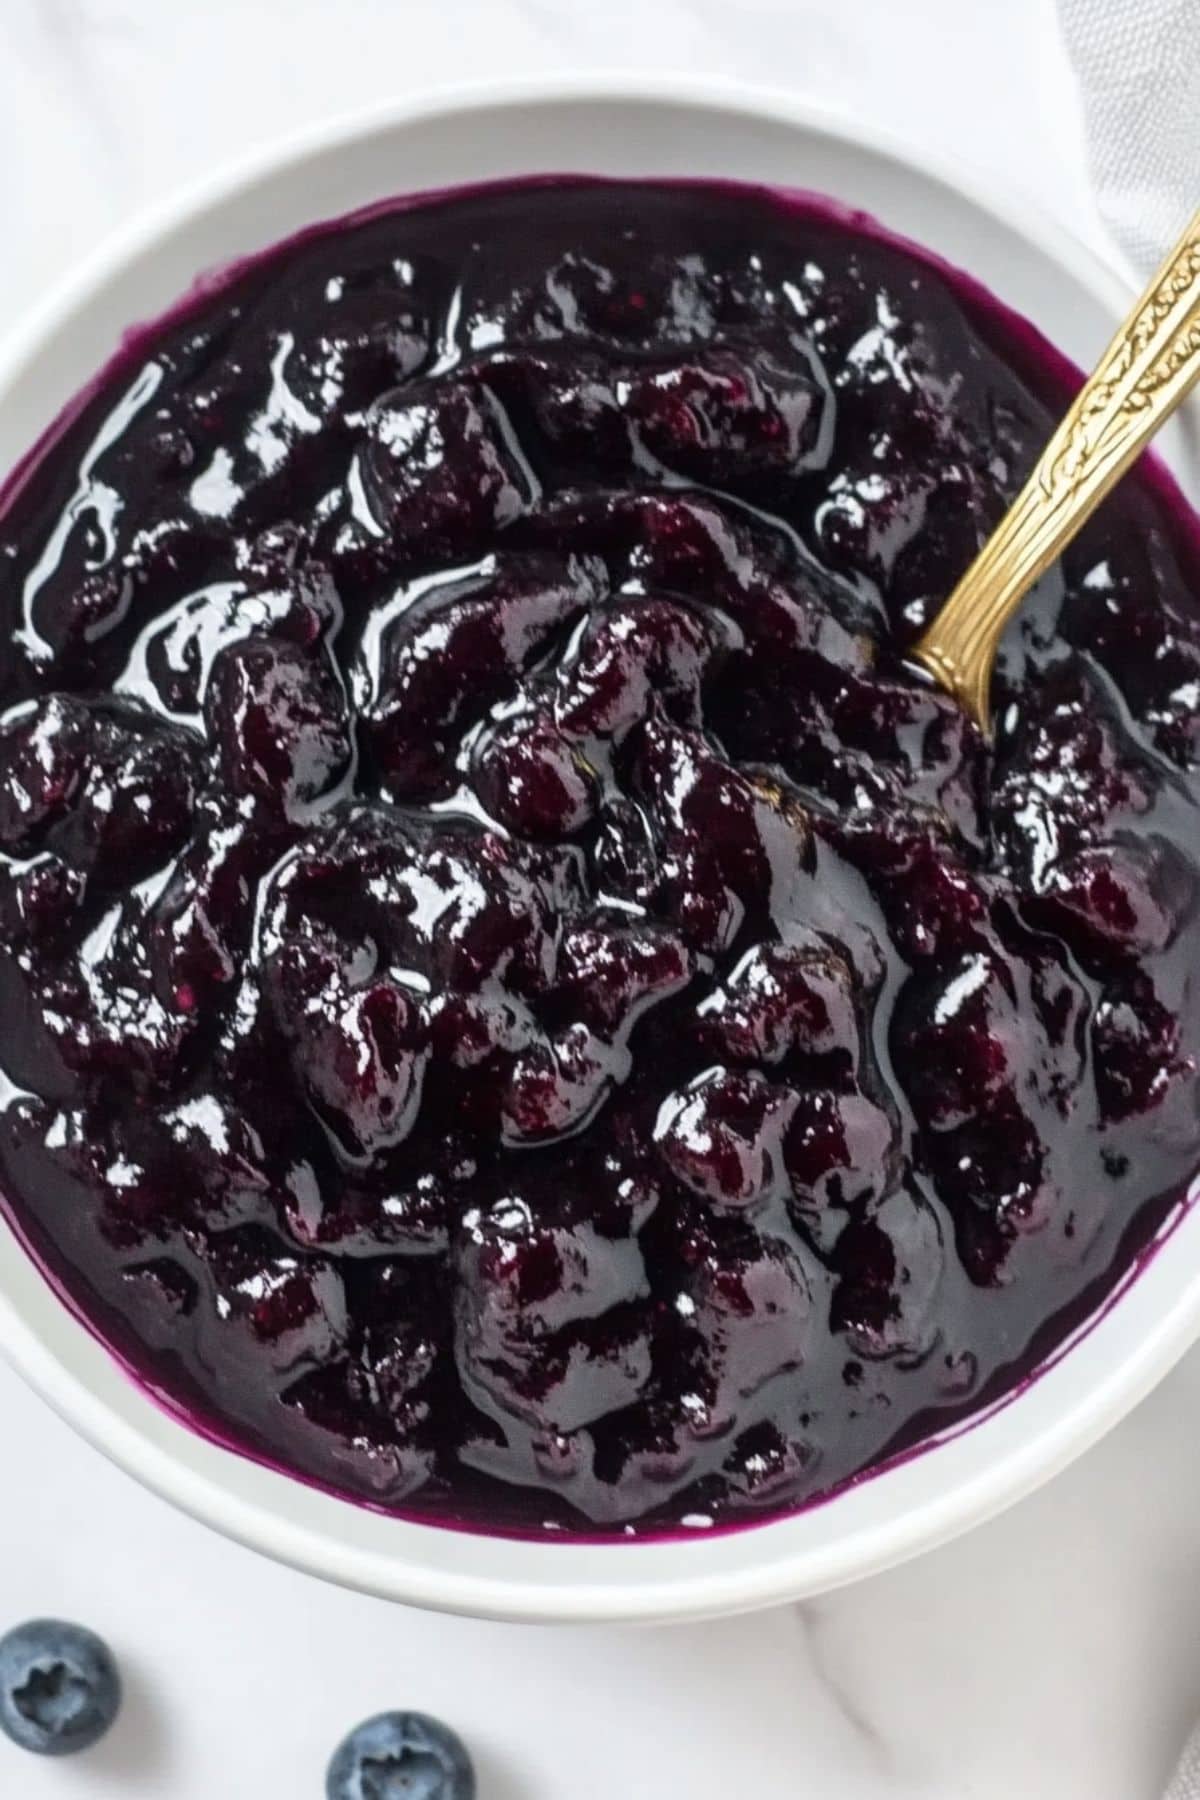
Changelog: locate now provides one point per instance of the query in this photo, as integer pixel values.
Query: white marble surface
(1053, 1655)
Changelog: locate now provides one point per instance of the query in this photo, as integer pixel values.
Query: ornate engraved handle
(1149, 367)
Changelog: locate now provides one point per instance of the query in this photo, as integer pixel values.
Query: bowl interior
(923, 1500)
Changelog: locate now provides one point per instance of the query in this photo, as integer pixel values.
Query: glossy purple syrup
(515, 1003)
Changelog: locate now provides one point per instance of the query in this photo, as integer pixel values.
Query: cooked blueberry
(549, 1320)
(59, 1687)
(461, 646)
(935, 903)
(40, 900)
(966, 1043)
(360, 1054)
(734, 421)
(401, 1753)
(766, 1469)
(781, 999)
(1118, 899)
(748, 1299)
(277, 721)
(43, 760)
(351, 1441)
(635, 658)
(270, 1308)
(1138, 1051)
(1073, 775)
(611, 974)
(556, 1086)
(890, 1269)
(438, 467)
(531, 778)
(839, 1147)
(733, 850)
(175, 657)
(723, 1135)
(200, 924)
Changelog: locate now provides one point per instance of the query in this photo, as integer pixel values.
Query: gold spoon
(1148, 369)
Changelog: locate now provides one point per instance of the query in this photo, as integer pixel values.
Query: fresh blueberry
(400, 1756)
(59, 1687)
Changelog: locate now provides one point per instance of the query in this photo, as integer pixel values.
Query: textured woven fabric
(1185, 1783)
(1138, 63)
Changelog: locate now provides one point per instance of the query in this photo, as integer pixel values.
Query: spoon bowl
(1148, 369)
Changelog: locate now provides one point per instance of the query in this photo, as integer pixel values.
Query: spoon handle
(1145, 373)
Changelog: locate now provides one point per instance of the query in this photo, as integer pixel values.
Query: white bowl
(620, 128)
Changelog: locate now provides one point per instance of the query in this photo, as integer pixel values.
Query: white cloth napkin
(1138, 63)
(1185, 1783)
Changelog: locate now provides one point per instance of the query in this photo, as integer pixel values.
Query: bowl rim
(608, 1592)
(1106, 276)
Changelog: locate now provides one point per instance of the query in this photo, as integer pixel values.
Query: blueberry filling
(516, 1003)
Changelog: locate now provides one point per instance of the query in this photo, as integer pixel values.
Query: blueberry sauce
(516, 1003)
